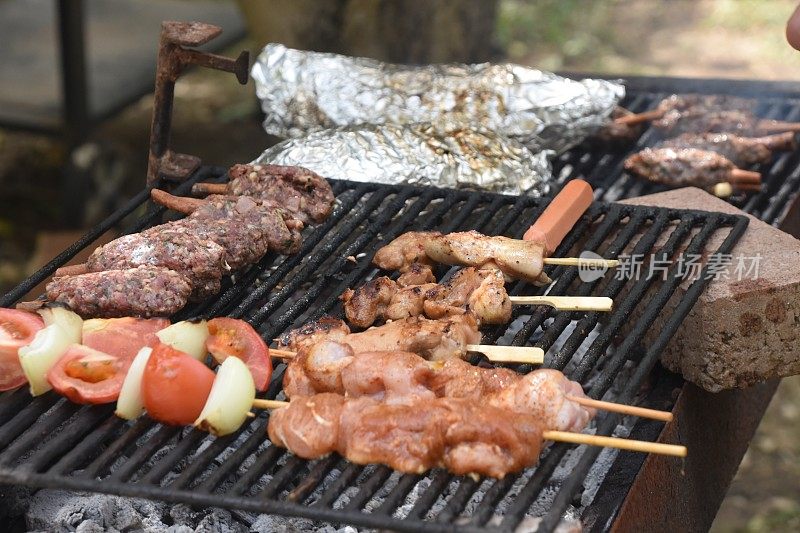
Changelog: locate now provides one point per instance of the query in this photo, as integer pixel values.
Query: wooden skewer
(210, 188)
(579, 261)
(567, 303)
(739, 175)
(509, 354)
(640, 117)
(778, 126)
(498, 354)
(561, 436)
(643, 412)
(181, 204)
(71, 270)
(616, 442)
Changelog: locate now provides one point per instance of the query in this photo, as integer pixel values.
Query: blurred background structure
(219, 120)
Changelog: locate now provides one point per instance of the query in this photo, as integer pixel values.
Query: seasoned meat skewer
(690, 167)
(708, 114)
(741, 151)
(243, 226)
(432, 339)
(297, 190)
(479, 291)
(402, 377)
(199, 260)
(145, 291)
(464, 437)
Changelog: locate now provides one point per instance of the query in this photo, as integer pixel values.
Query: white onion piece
(47, 347)
(71, 322)
(230, 400)
(187, 337)
(130, 404)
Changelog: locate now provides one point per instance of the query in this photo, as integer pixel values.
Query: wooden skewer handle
(281, 354)
(258, 403)
(510, 354)
(613, 442)
(567, 303)
(640, 117)
(578, 262)
(643, 412)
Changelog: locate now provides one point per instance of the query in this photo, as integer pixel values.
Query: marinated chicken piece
(324, 363)
(545, 394)
(394, 377)
(366, 304)
(145, 291)
(741, 151)
(199, 260)
(309, 427)
(463, 436)
(296, 383)
(383, 299)
(514, 257)
(301, 192)
(681, 167)
(310, 333)
(432, 339)
(404, 251)
(408, 438)
(417, 274)
(459, 379)
(480, 291)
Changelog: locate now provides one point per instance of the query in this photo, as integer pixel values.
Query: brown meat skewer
(690, 167)
(740, 151)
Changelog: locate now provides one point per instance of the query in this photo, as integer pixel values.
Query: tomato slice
(122, 337)
(85, 375)
(175, 386)
(17, 329)
(232, 337)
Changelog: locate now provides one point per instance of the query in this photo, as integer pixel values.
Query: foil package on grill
(304, 91)
(420, 154)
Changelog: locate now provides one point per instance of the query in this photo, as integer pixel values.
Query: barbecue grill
(50, 442)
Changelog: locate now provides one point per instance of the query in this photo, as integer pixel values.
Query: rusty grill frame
(50, 442)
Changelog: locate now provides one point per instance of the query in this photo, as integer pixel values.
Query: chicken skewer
(436, 340)
(477, 290)
(464, 437)
(333, 367)
(690, 167)
(301, 192)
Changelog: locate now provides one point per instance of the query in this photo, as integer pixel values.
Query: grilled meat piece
(246, 228)
(432, 339)
(299, 191)
(464, 437)
(480, 291)
(383, 299)
(146, 291)
(310, 333)
(416, 274)
(741, 151)
(199, 260)
(405, 251)
(403, 377)
(680, 167)
(514, 257)
(616, 135)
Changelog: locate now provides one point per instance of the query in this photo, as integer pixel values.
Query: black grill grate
(49, 442)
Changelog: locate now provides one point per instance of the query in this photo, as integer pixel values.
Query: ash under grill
(50, 442)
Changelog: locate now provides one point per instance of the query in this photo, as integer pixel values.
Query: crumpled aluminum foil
(418, 154)
(304, 91)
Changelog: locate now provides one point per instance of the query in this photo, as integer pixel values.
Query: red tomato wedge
(175, 386)
(17, 329)
(232, 337)
(123, 337)
(85, 375)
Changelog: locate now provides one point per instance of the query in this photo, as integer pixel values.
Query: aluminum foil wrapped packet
(304, 91)
(421, 154)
